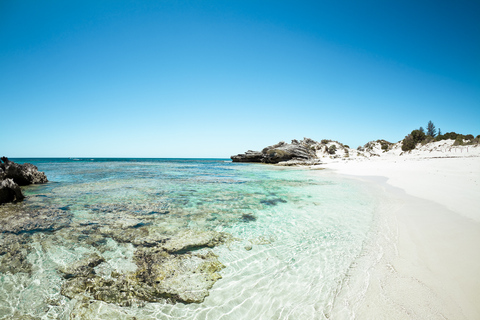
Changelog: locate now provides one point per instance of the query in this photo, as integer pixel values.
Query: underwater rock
(35, 220)
(143, 209)
(86, 309)
(75, 286)
(184, 277)
(273, 202)
(10, 191)
(10, 242)
(83, 267)
(138, 236)
(15, 261)
(160, 276)
(13, 251)
(150, 236)
(22, 174)
(194, 239)
(277, 153)
(19, 316)
(248, 217)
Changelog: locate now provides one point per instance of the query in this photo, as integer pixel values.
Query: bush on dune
(411, 140)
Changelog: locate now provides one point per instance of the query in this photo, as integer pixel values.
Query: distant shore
(430, 262)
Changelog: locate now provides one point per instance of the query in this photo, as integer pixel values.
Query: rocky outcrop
(22, 174)
(249, 156)
(297, 150)
(10, 191)
(13, 175)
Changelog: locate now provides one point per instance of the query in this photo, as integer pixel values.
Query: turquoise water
(296, 233)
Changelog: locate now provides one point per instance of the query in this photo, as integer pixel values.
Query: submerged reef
(164, 272)
(13, 175)
(167, 262)
(18, 223)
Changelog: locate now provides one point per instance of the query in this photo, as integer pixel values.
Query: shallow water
(296, 234)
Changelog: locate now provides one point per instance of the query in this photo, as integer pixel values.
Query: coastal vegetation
(419, 136)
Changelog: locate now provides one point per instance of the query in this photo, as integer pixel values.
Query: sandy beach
(427, 247)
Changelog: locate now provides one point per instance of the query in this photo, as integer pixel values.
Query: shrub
(385, 145)
(325, 141)
(369, 146)
(418, 135)
(428, 139)
(412, 139)
(408, 143)
(449, 135)
(458, 141)
(332, 149)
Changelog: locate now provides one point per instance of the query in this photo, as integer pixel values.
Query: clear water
(305, 230)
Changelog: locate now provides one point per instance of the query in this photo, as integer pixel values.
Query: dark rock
(13, 175)
(247, 217)
(249, 156)
(22, 174)
(273, 202)
(10, 191)
(298, 150)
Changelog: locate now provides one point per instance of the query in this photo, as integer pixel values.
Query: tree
(411, 140)
(431, 131)
(439, 132)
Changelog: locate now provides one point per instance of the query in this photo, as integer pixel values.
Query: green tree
(410, 141)
(431, 131)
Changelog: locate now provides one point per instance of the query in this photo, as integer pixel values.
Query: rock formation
(297, 150)
(22, 174)
(13, 175)
(10, 191)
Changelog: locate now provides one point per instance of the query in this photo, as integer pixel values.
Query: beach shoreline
(424, 262)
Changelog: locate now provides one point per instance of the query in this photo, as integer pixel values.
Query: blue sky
(216, 78)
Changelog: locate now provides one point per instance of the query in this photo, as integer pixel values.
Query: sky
(216, 78)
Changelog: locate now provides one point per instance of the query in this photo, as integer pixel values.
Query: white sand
(427, 253)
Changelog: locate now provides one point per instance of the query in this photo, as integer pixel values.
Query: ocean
(284, 240)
